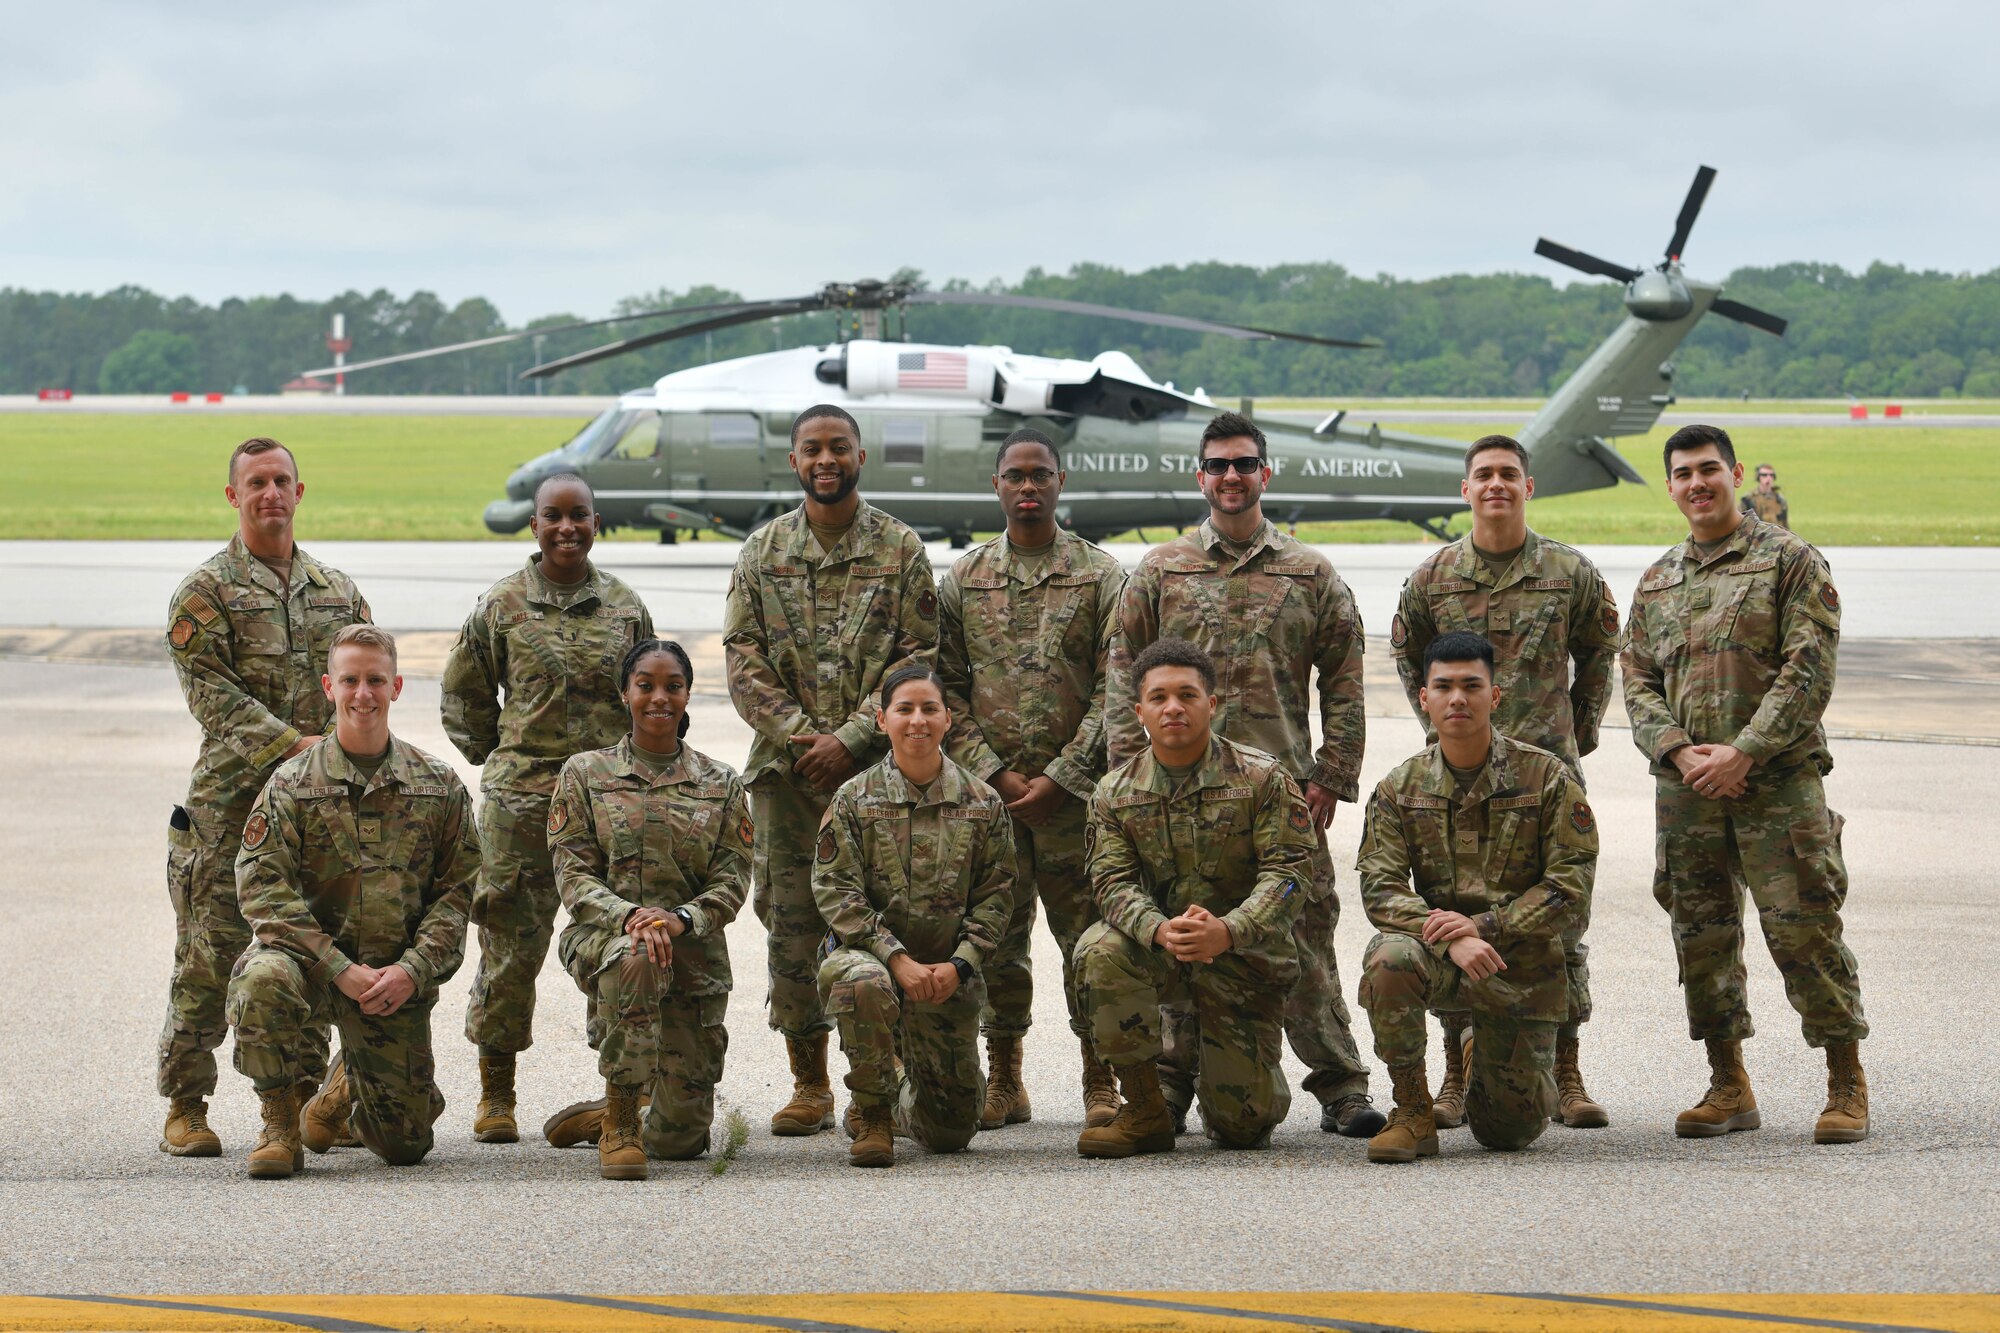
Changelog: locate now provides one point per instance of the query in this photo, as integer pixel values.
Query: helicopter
(705, 449)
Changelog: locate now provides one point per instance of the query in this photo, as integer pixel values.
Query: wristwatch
(687, 918)
(964, 970)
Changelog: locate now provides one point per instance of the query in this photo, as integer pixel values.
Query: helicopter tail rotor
(1586, 263)
(1690, 210)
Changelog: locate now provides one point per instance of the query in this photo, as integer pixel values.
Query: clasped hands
(379, 991)
(1197, 935)
(1473, 955)
(926, 983)
(1034, 801)
(1719, 772)
(825, 763)
(655, 931)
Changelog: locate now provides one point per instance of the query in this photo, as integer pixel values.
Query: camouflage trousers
(1510, 1087)
(1317, 1022)
(1781, 841)
(390, 1066)
(943, 1087)
(786, 816)
(515, 906)
(652, 1037)
(1049, 864)
(209, 936)
(1237, 1003)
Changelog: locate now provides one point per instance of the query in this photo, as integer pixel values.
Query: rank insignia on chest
(182, 632)
(255, 830)
(828, 848)
(927, 604)
(558, 818)
(369, 828)
(1580, 817)
(1698, 599)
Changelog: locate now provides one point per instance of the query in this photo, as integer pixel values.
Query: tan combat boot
(1006, 1098)
(874, 1137)
(581, 1122)
(1845, 1119)
(1728, 1105)
(278, 1152)
(1100, 1092)
(493, 1121)
(620, 1153)
(1448, 1109)
(187, 1133)
(325, 1123)
(811, 1108)
(1142, 1125)
(1578, 1110)
(1412, 1131)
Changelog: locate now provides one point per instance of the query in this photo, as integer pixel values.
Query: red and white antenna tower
(338, 343)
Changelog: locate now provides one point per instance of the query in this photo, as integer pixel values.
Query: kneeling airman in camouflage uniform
(1477, 856)
(549, 638)
(914, 873)
(1729, 663)
(355, 874)
(249, 632)
(1218, 835)
(651, 840)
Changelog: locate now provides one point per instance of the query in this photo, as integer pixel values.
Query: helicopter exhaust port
(833, 370)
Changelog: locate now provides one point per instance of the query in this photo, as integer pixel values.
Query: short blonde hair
(366, 636)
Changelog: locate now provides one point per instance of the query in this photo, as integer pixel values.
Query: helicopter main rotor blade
(1587, 263)
(741, 313)
(499, 338)
(1244, 332)
(1690, 210)
(1747, 314)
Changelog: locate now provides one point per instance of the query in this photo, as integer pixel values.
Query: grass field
(113, 476)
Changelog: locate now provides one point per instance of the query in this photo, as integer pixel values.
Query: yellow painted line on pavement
(1013, 1312)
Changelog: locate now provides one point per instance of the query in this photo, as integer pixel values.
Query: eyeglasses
(1219, 467)
(1041, 476)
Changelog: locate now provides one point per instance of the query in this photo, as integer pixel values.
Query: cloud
(560, 158)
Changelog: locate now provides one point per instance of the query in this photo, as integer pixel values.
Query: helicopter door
(905, 459)
(633, 466)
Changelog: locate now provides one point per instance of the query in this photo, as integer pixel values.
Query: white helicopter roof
(896, 376)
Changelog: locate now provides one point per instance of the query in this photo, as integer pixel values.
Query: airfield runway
(94, 748)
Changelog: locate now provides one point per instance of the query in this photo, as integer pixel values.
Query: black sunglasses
(1218, 467)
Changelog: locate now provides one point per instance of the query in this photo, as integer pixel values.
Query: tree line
(1886, 331)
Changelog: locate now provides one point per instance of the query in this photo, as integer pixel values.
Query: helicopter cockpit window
(733, 428)
(903, 441)
(640, 439)
(590, 441)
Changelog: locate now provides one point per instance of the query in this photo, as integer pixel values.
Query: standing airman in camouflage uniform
(1024, 639)
(1543, 606)
(823, 600)
(1767, 501)
(1270, 611)
(1476, 854)
(1729, 663)
(355, 872)
(913, 872)
(249, 632)
(1201, 852)
(651, 840)
(548, 638)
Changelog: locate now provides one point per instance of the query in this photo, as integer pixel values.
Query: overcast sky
(555, 157)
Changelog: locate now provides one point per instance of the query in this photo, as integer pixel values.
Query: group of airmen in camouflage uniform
(931, 760)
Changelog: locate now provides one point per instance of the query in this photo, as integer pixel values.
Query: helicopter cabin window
(903, 441)
(641, 440)
(733, 428)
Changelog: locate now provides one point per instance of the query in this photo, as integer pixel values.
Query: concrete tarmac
(92, 757)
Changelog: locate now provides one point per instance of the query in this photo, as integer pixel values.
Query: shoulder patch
(1828, 597)
(183, 631)
(1399, 633)
(1301, 821)
(927, 604)
(1580, 817)
(828, 848)
(1089, 840)
(558, 817)
(255, 830)
(199, 607)
(747, 832)
(1609, 618)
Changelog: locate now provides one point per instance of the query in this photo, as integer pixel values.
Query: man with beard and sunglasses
(822, 602)
(1270, 611)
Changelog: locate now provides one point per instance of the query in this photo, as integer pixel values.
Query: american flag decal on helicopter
(930, 370)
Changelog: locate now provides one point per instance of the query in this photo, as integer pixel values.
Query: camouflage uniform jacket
(621, 841)
(1771, 508)
(1550, 607)
(1233, 836)
(249, 653)
(930, 877)
(808, 638)
(337, 869)
(558, 666)
(1738, 650)
(1024, 662)
(1515, 853)
(1268, 620)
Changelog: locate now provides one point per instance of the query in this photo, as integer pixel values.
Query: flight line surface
(93, 756)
